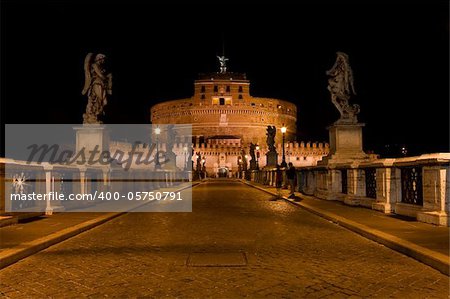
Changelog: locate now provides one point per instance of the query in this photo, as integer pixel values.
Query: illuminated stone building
(225, 119)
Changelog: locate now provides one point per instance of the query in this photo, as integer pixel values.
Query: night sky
(399, 55)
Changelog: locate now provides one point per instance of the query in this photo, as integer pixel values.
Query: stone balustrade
(44, 178)
(417, 187)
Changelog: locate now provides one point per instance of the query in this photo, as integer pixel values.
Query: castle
(225, 119)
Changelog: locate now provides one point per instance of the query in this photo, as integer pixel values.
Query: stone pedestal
(436, 195)
(253, 164)
(346, 147)
(93, 140)
(345, 144)
(388, 188)
(271, 159)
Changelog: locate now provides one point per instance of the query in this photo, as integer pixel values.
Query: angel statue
(271, 132)
(340, 86)
(97, 87)
(223, 64)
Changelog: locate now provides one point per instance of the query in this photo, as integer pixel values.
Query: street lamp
(257, 157)
(283, 163)
(157, 164)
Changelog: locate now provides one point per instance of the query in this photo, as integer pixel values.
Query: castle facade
(225, 119)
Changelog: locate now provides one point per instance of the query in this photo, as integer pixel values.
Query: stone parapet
(417, 187)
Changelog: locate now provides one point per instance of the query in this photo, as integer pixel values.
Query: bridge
(236, 242)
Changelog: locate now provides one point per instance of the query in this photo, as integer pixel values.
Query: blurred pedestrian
(278, 180)
(291, 176)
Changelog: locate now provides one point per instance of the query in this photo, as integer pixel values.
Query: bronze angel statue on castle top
(97, 87)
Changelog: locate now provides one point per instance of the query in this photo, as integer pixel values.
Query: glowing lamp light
(157, 131)
(283, 129)
(257, 147)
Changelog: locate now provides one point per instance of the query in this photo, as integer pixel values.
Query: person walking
(291, 176)
(278, 182)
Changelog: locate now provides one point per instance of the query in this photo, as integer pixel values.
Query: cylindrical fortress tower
(222, 106)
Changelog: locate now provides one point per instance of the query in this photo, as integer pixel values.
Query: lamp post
(257, 157)
(283, 131)
(157, 132)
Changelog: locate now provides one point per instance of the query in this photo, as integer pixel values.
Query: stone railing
(45, 178)
(417, 187)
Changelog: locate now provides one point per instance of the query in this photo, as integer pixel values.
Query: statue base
(345, 144)
(92, 139)
(271, 159)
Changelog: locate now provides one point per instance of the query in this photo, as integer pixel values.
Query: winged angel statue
(271, 132)
(223, 64)
(97, 87)
(340, 85)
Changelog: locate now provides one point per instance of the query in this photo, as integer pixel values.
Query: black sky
(399, 55)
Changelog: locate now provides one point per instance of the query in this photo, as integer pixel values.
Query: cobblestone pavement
(290, 254)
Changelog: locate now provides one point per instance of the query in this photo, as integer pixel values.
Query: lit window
(279, 106)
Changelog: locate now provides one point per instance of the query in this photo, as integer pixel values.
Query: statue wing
(87, 73)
